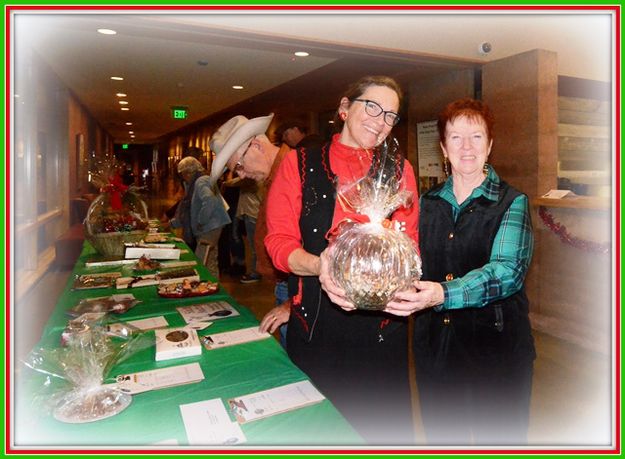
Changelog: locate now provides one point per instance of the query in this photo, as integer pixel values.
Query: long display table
(154, 417)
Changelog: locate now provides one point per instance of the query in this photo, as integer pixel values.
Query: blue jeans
(281, 292)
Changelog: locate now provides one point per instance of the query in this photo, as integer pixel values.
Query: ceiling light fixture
(128, 123)
(125, 109)
(237, 86)
(116, 78)
(131, 132)
(123, 102)
(301, 54)
(107, 31)
(120, 94)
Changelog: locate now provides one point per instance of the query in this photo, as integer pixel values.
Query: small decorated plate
(187, 289)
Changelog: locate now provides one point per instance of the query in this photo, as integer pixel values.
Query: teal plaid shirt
(510, 256)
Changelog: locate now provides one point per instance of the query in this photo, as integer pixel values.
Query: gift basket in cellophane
(372, 258)
(118, 215)
(71, 387)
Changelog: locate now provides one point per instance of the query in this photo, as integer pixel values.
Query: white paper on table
(142, 324)
(208, 423)
(230, 338)
(143, 381)
(207, 311)
(273, 401)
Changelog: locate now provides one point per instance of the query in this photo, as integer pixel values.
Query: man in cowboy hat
(241, 145)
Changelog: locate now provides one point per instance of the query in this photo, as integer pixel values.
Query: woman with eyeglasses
(358, 359)
(473, 344)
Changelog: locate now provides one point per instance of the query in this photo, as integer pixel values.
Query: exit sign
(124, 146)
(179, 113)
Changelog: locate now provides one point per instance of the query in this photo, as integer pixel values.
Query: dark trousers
(477, 410)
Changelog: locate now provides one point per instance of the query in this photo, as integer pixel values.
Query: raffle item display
(101, 280)
(117, 215)
(74, 391)
(373, 258)
(170, 276)
(174, 343)
(187, 288)
(117, 304)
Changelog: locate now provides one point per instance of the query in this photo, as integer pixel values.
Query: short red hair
(473, 109)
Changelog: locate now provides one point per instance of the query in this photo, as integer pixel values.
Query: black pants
(366, 379)
(474, 375)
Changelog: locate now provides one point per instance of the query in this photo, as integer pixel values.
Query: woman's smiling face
(362, 130)
(467, 145)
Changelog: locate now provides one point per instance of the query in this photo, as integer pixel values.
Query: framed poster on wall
(430, 156)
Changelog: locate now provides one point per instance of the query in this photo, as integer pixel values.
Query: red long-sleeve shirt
(284, 202)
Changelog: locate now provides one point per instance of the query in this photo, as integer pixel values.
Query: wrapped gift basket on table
(117, 216)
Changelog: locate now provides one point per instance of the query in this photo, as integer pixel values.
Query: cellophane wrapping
(118, 214)
(373, 260)
(73, 388)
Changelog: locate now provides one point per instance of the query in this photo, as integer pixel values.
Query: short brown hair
(473, 109)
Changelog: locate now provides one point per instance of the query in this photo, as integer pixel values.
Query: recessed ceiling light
(123, 102)
(331, 122)
(132, 136)
(301, 54)
(116, 78)
(131, 132)
(237, 86)
(128, 123)
(125, 109)
(120, 94)
(107, 31)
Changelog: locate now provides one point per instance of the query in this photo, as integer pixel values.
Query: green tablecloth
(154, 416)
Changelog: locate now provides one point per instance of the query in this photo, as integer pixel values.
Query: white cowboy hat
(231, 135)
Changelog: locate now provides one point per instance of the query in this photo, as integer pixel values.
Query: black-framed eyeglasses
(374, 109)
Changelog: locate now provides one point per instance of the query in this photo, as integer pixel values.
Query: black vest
(465, 339)
(318, 201)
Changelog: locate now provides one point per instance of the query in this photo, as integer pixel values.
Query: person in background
(201, 212)
(231, 246)
(358, 359)
(128, 176)
(247, 214)
(198, 154)
(243, 147)
(295, 135)
(473, 344)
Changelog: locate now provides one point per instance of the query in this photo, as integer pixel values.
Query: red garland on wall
(560, 230)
